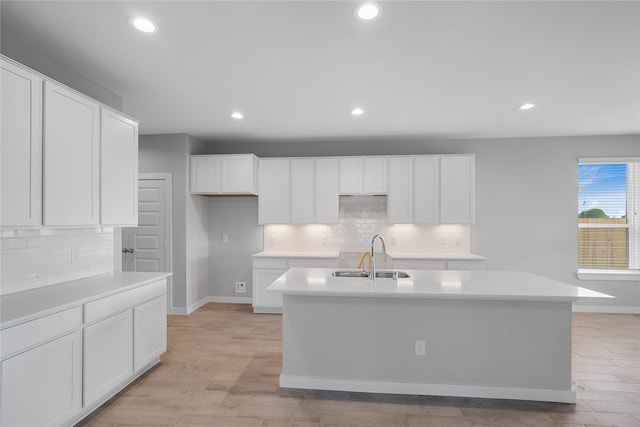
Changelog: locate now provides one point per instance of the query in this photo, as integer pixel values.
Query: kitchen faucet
(373, 254)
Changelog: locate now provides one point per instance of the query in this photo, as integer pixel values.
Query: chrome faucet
(373, 254)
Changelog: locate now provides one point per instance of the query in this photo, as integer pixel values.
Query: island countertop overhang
(433, 284)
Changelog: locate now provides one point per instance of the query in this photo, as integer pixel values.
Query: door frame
(168, 207)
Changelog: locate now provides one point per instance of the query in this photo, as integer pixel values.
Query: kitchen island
(486, 334)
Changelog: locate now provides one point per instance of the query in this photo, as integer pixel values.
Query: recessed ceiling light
(357, 111)
(368, 11)
(144, 25)
(237, 115)
(526, 106)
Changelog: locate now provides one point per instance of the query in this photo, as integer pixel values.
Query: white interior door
(146, 244)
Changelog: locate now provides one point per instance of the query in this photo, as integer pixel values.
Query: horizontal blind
(603, 235)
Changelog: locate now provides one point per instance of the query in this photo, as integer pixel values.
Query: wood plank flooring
(223, 363)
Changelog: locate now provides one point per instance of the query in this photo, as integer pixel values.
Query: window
(608, 219)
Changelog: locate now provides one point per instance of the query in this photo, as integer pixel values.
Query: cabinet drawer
(270, 263)
(38, 331)
(98, 309)
(313, 263)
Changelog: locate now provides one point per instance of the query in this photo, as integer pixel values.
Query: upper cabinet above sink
(363, 175)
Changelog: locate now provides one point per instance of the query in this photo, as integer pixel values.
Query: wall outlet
(241, 287)
(225, 238)
(421, 347)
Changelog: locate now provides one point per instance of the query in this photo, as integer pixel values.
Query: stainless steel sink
(379, 274)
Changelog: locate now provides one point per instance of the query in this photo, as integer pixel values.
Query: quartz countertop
(297, 254)
(21, 306)
(443, 284)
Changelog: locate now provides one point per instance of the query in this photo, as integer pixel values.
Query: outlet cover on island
(241, 287)
(421, 347)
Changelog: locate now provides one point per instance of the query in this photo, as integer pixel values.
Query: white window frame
(633, 224)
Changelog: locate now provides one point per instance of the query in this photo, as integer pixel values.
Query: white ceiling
(424, 69)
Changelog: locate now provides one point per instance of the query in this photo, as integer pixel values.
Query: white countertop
(38, 302)
(297, 254)
(436, 256)
(444, 284)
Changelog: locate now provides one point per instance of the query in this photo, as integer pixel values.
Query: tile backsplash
(361, 217)
(35, 258)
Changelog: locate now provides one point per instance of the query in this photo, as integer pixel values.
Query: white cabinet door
(302, 191)
(326, 191)
(149, 331)
(375, 175)
(20, 147)
(426, 193)
(363, 175)
(401, 180)
(42, 386)
(264, 301)
(71, 158)
(206, 175)
(239, 174)
(108, 355)
(457, 189)
(274, 199)
(351, 175)
(118, 170)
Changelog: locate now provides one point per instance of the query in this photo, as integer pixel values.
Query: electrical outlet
(421, 347)
(241, 287)
(443, 240)
(225, 238)
(74, 255)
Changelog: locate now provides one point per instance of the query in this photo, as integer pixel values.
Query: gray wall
(236, 217)
(32, 58)
(526, 197)
(168, 153)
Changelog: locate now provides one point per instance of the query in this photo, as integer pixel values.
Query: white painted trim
(231, 300)
(455, 390)
(267, 310)
(180, 311)
(595, 274)
(579, 308)
(193, 307)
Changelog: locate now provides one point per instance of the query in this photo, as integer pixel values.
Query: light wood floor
(223, 363)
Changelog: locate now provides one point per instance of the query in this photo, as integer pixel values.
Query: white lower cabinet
(267, 270)
(42, 386)
(57, 368)
(439, 264)
(149, 331)
(108, 355)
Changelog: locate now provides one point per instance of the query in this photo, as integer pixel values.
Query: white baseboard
(578, 308)
(453, 390)
(232, 300)
(196, 305)
(180, 311)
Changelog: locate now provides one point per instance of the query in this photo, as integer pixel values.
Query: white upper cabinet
(314, 191)
(274, 199)
(224, 174)
(206, 175)
(414, 190)
(400, 201)
(326, 191)
(363, 175)
(71, 158)
(426, 190)
(118, 170)
(20, 147)
(302, 191)
(457, 189)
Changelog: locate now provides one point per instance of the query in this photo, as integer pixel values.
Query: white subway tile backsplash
(34, 258)
(361, 217)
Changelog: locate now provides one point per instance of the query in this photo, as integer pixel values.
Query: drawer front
(465, 265)
(420, 264)
(313, 263)
(38, 331)
(104, 307)
(278, 263)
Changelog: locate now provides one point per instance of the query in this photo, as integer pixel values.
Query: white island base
(507, 342)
